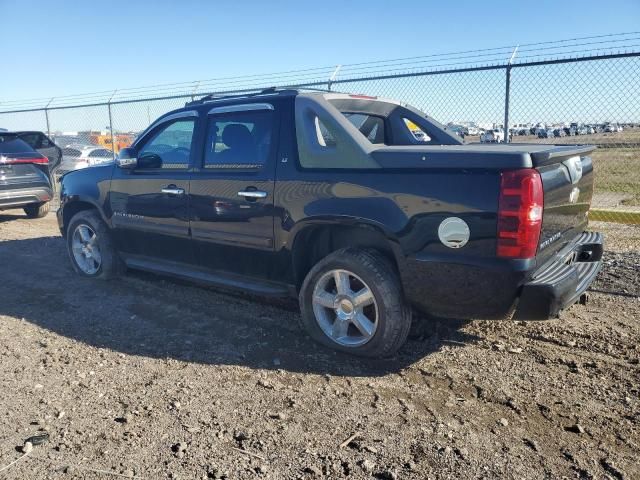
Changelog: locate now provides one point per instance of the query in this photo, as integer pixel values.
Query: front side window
(239, 139)
(170, 146)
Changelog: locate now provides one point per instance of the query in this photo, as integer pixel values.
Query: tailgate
(567, 180)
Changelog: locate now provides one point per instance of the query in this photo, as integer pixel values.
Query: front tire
(37, 210)
(91, 248)
(352, 301)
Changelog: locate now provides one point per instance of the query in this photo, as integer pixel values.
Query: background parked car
(66, 140)
(492, 136)
(458, 130)
(559, 132)
(75, 157)
(41, 144)
(545, 133)
(25, 178)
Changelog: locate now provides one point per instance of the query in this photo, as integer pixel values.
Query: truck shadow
(157, 317)
(14, 215)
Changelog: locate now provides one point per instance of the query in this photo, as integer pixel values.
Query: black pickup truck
(363, 208)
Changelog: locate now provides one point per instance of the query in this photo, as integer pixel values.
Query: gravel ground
(151, 378)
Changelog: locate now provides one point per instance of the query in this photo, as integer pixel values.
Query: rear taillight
(519, 213)
(16, 160)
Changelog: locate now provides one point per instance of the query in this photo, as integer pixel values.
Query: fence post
(333, 76)
(113, 145)
(46, 116)
(195, 89)
(507, 95)
(506, 103)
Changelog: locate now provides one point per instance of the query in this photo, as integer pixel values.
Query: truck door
(150, 202)
(231, 195)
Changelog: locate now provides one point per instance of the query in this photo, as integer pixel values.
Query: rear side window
(239, 139)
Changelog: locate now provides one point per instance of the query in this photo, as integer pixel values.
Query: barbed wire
(628, 42)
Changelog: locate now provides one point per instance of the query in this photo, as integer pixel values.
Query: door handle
(253, 194)
(172, 190)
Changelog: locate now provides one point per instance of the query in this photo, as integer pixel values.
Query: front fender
(88, 187)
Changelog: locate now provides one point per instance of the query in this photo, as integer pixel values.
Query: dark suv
(335, 199)
(41, 143)
(25, 180)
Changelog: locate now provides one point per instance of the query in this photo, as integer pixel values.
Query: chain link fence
(591, 100)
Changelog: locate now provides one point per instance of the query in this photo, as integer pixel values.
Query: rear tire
(352, 301)
(90, 247)
(37, 210)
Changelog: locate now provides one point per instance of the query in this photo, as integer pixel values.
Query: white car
(75, 157)
(612, 128)
(493, 136)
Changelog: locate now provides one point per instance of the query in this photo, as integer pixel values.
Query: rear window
(11, 144)
(33, 139)
(371, 126)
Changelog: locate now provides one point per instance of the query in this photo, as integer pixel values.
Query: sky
(56, 48)
(86, 46)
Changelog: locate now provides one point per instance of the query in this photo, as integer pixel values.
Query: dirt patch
(154, 378)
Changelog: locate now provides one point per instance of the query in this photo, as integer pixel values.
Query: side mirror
(127, 158)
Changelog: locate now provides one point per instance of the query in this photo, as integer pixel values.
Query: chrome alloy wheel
(85, 248)
(345, 308)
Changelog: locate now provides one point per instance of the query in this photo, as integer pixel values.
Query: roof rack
(267, 91)
(214, 98)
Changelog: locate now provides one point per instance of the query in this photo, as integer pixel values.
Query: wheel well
(71, 209)
(316, 242)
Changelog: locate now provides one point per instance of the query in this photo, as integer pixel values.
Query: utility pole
(113, 145)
